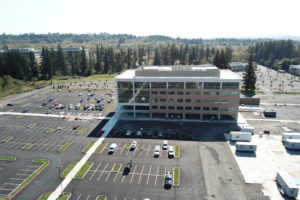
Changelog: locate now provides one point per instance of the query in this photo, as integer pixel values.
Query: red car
(75, 127)
(64, 117)
(76, 118)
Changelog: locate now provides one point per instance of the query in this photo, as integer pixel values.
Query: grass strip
(19, 116)
(107, 107)
(93, 120)
(82, 130)
(116, 167)
(177, 151)
(65, 146)
(127, 145)
(44, 196)
(65, 196)
(83, 170)
(87, 147)
(100, 147)
(101, 197)
(67, 118)
(31, 125)
(50, 130)
(45, 163)
(27, 146)
(67, 170)
(293, 93)
(9, 158)
(7, 139)
(176, 173)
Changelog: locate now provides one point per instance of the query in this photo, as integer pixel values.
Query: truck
(289, 135)
(292, 144)
(286, 184)
(246, 128)
(240, 136)
(246, 146)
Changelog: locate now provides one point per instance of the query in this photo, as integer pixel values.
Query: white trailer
(240, 136)
(292, 144)
(248, 129)
(286, 184)
(246, 146)
(289, 135)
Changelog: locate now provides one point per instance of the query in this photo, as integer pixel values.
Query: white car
(70, 106)
(61, 113)
(156, 151)
(133, 145)
(112, 148)
(171, 151)
(165, 145)
(80, 94)
(138, 133)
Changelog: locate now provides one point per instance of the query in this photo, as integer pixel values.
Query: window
(225, 93)
(179, 100)
(162, 92)
(154, 92)
(215, 93)
(162, 100)
(188, 108)
(141, 85)
(171, 107)
(154, 100)
(234, 93)
(215, 108)
(224, 101)
(158, 85)
(179, 108)
(154, 107)
(171, 100)
(141, 107)
(176, 85)
(171, 92)
(188, 93)
(211, 85)
(198, 100)
(233, 101)
(125, 92)
(163, 107)
(230, 86)
(215, 101)
(198, 93)
(223, 109)
(193, 85)
(188, 100)
(197, 108)
(180, 93)
(232, 109)
(127, 107)
(206, 93)
(206, 101)
(205, 108)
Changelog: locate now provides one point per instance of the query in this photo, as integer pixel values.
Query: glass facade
(141, 90)
(159, 85)
(125, 92)
(212, 85)
(176, 85)
(193, 85)
(230, 86)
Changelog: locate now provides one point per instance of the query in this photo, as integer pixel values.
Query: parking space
(13, 175)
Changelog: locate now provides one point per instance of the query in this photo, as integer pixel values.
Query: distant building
(237, 66)
(295, 69)
(73, 51)
(25, 51)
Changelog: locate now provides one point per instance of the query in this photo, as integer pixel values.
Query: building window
(154, 100)
(230, 86)
(179, 108)
(223, 109)
(162, 92)
(198, 100)
(215, 101)
(198, 93)
(225, 93)
(205, 108)
(233, 101)
(212, 85)
(188, 100)
(215, 108)
(159, 115)
(171, 92)
(141, 90)
(224, 101)
(215, 93)
(206, 93)
(206, 101)
(176, 85)
(163, 107)
(192, 116)
(154, 92)
(125, 92)
(162, 100)
(188, 108)
(188, 93)
(193, 85)
(154, 107)
(232, 109)
(171, 107)
(197, 108)
(234, 93)
(141, 85)
(141, 107)
(171, 100)
(159, 85)
(180, 93)
(179, 100)
(125, 107)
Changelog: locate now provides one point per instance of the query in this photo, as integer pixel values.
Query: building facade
(201, 92)
(295, 69)
(237, 66)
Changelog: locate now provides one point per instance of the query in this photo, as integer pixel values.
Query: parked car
(61, 113)
(132, 145)
(112, 148)
(165, 145)
(85, 107)
(10, 104)
(156, 151)
(171, 152)
(44, 103)
(127, 168)
(128, 133)
(48, 112)
(25, 111)
(139, 133)
(70, 106)
(80, 94)
(75, 127)
(168, 179)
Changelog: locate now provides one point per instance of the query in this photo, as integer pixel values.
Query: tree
(216, 60)
(83, 62)
(61, 63)
(156, 58)
(98, 66)
(33, 66)
(249, 75)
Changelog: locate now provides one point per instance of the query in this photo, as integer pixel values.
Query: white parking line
(25, 170)
(133, 173)
(141, 174)
(18, 179)
(95, 171)
(149, 174)
(22, 174)
(5, 189)
(78, 196)
(102, 172)
(108, 175)
(88, 197)
(156, 175)
(3, 164)
(11, 184)
(148, 150)
(116, 176)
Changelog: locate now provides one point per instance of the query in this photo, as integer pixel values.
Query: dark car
(127, 168)
(75, 127)
(168, 179)
(85, 107)
(10, 104)
(100, 108)
(48, 112)
(44, 103)
(25, 111)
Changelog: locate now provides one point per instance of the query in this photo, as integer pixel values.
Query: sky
(185, 18)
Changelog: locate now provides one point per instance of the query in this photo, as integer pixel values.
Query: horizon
(191, 19)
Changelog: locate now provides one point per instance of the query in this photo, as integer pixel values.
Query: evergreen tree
(224, 64)
(33, 66)
(156, 58)
(207, 54)
(249, 75)
(61, 62)
(83, 62)
(98, 67)
(141, 53)
(216, 60)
